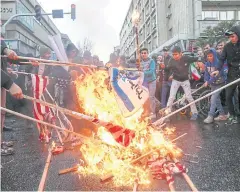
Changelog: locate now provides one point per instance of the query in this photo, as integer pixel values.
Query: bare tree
(85, 45)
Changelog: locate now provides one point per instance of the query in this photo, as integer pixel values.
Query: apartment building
(173, 22)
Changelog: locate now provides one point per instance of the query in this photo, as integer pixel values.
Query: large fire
(96, 98)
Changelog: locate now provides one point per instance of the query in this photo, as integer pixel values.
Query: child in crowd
(215, 83)
(179, 67)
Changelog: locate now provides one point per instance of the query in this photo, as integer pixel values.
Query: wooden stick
(160, 121)
(187, 178)
(42, 122)
(106, 177)
(68, 170)
(109, 175)
(171, 186)
(135, 186)
(51, 64)
(75, 114)
(47, 62)
(183, 97)
(59, 63)
(45, 172)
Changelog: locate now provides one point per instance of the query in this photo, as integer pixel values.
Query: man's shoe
(7, 128)
(7, 151)
(208, 120)
(5, 144)
(232, 120)
(194, 117)
(221, 118)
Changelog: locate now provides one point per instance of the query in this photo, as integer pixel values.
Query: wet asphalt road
(218, 167)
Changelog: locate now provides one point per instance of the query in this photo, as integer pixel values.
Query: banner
(129, 91)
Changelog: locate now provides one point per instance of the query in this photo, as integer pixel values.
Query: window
(223, 15)
(155, 42)
(149, 46)
(230, 15)
(12, 35)
(170, 33)
(215, 14)
(208, 14)
(148, 28)
(154, 22)
(147, 10)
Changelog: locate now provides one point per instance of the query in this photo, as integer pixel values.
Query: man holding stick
(7, 84)
(231, 54)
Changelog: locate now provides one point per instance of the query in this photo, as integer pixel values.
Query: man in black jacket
(231, 54)
(179, 66)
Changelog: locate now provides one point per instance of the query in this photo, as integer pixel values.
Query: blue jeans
(216, 102)
(166, 85)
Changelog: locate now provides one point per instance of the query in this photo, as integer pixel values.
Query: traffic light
(73, 12)
(38, 12)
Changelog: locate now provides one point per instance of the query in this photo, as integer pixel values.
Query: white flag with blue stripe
(129, 90)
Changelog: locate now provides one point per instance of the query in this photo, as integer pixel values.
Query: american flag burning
(113, 158)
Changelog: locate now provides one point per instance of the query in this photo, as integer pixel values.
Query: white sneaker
(208, 120)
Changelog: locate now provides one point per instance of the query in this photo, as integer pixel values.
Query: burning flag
(129, 91)
(43, 113)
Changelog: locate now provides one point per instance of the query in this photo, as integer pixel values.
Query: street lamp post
(135, 22)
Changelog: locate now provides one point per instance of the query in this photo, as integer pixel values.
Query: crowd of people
(164, 74)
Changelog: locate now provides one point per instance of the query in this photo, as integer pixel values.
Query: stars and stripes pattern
(39, 84)
(122, 135)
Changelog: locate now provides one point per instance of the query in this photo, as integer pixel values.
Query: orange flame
(96, 98)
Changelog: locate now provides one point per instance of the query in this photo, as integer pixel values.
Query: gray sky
(99, 20)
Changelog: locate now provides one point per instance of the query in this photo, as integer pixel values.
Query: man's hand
(11, 54)
(16, 91)
(215, 73)
(205, 84)
(170, 78)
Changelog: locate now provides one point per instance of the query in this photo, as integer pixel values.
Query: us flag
(39, 84)
(122, 135)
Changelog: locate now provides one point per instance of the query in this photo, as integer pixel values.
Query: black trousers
(229, 98)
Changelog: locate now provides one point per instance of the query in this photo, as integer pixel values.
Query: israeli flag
(128, 90)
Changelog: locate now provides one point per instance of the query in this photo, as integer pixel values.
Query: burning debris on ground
(150, 152)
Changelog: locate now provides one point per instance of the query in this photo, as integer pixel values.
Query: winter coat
(211, 67)
(231, 54)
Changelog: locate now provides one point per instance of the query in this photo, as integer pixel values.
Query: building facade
(25, 34)
(173, 22)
